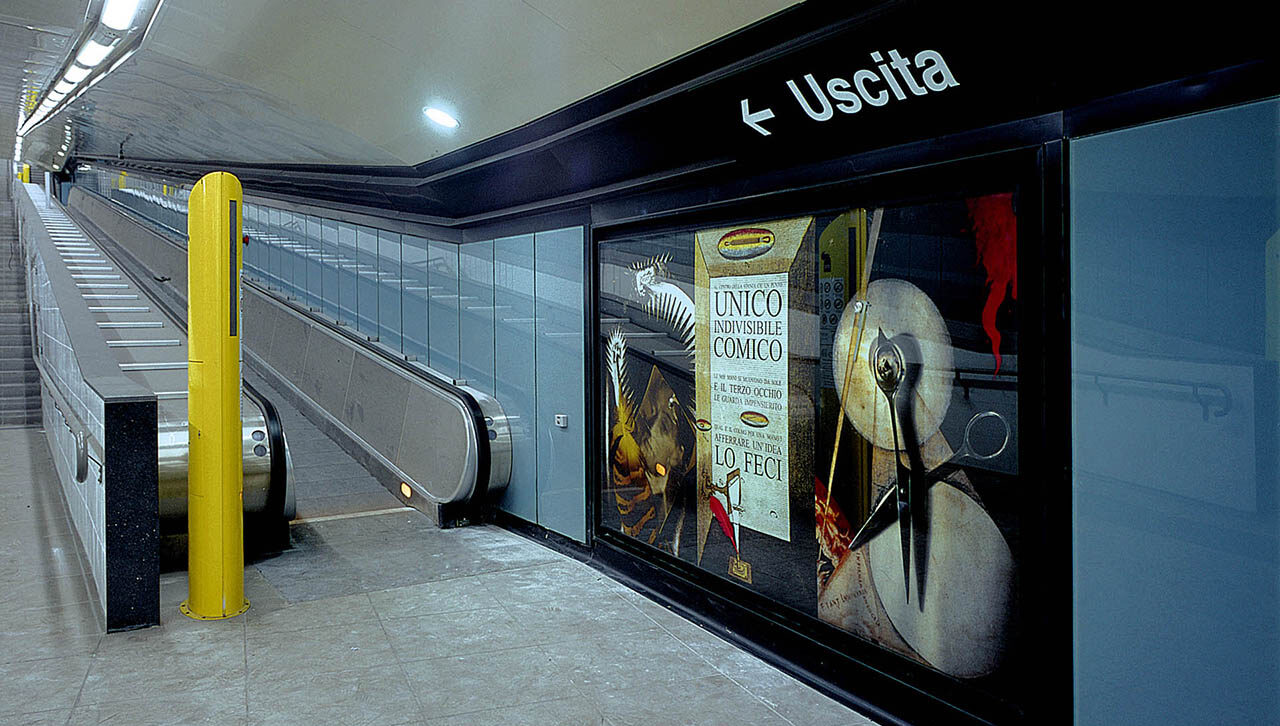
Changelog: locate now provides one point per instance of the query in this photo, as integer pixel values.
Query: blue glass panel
(1175, 277)
(273, 248)
(413, 268)
(561, 379)
(442, 307)
(514, 368)
(475, 314)
(366, 276)
(315, 271)
(347, 250)
(249, 226)
(295, 230)
(389, 284)
(330, 259)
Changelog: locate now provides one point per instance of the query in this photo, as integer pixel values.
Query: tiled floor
(375, 619)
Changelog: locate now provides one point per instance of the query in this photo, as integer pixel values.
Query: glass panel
(442, 307)
(331, 262)
(561, 374)
(413, 268)
(475, 314)
(514, 368)
(348, 250)
(1175, 265)
(757, 425)
(248, 221)
(294, 265)
(389, 283)
(273, 248)
(366, 275)
(315, 269)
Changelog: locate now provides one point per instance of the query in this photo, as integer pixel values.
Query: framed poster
(823, 409)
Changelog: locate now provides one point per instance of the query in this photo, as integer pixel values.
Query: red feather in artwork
(995, 231)
(723, 518)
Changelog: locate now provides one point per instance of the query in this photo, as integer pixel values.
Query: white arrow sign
(753, 119)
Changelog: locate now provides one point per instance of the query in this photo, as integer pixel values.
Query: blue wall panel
(514, 368)
(560, 359)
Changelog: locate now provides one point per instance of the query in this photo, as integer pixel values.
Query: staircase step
(18, 389)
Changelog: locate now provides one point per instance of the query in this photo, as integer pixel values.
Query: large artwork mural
(823, 409)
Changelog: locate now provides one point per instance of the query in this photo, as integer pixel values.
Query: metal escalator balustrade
(484, 470)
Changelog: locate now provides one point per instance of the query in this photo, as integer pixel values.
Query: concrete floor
(370, 619)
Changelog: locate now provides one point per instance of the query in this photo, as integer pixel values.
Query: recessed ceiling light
(440, 117)
(118, 14)
(75, 73)
(92, 53)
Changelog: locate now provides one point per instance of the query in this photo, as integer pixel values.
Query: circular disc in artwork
(894, 307)
(958, 624)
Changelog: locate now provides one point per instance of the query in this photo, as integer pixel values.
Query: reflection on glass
(273, 248)
(315, 269)
(475, 314)
(413, 268)
(442, 307)
(389, 282)
(331, 260)
(514, 367)
(559, 355)
(347, 252)
(366, 276)
(1175, 264)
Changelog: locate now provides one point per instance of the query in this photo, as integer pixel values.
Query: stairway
(19, 379)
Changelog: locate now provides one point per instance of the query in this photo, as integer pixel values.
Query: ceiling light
(440, 117)
(92, 53)
(118, 14)
(63, 87)
(75, 73)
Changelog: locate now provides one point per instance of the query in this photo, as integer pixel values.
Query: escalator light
(406, 490)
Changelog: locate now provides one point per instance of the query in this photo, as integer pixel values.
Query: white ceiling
(345, 81)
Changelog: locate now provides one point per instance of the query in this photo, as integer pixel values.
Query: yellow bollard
(25, 176)
(215, 470)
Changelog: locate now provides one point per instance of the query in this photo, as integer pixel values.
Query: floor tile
(482, 681)
(57, 717)
(220, 707)
(174, 662)
(378, 696)
(626, 661)
(714, 700)
(579, 615)
(456, 633)
(318, 650)
(542, 582)
(49, 684)
(441, 596)
(326, 613)
(575, 711)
